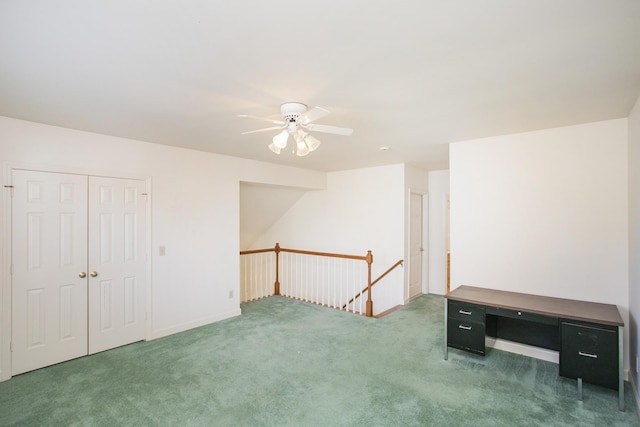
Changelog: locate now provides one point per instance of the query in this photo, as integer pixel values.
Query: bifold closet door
(117, 262)
(49, 261)
(79, 266)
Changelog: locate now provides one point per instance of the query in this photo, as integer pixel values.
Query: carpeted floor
(287, 363)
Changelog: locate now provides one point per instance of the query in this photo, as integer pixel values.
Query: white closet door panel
(117, 225)
(49, 250)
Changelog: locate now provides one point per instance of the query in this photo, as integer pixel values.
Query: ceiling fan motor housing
(292, 110)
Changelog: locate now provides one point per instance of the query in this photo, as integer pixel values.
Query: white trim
(425, 243)
(195, 324)
(445, 239)
(149, 260)
(5, 279)
(406, 288)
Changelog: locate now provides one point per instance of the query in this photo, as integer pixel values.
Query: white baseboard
(524, 349)
(194, 324)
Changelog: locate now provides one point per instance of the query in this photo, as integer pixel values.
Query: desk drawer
(589, 352)
(465, 311)
(517, 314)
(466, 335)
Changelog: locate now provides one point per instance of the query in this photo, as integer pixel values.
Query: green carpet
(288, 363)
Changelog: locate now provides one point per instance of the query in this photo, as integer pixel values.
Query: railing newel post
(276, 285)
(369, 300)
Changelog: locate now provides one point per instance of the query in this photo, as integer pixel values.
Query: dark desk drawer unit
(587, 335)
(466, 312)
(589, 352)
(466, 327)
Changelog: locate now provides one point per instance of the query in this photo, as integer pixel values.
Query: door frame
(425, 243)
(6, 250)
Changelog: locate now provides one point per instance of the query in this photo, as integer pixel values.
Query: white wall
(194, 214)
(634, 243)
(438, 221)
(544, 212)
(260, 206)
(354, 214)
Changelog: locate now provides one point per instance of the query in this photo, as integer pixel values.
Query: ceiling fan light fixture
(311, 142)
(280, 140)
(273, 147)
(302, 148)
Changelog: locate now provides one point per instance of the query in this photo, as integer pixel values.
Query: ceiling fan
(297, 122)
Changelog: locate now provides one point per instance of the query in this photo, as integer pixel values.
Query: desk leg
(446, 325)
(620, 368)
(579, 388)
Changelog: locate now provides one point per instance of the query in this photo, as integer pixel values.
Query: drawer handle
(468, 313)
(591, 355)
(466, 328)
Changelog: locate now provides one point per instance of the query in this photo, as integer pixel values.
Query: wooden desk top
(606, 314)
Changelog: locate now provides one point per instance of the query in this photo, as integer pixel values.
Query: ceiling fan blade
(277, 122)
(329, 129)
(312, 115)
(261, 130)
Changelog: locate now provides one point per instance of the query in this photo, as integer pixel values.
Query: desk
(587, 335)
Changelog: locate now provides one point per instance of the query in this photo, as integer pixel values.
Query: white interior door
(49, 256)
(415, 245)
(117, 259)
(79, 266)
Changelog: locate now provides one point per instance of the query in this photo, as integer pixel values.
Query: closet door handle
(82, 275)
(94, 274)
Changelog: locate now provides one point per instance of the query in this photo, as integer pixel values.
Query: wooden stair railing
(277, 250)
(368, 288)
(368, 258)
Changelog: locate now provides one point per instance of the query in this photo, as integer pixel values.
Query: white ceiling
(413, 75)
